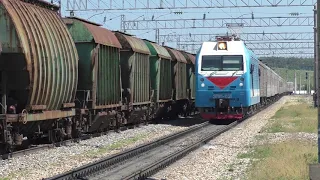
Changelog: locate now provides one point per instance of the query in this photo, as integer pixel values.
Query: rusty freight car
(39, 72)
(135, 78)
(99, 87)
(191, 80)
(161, 79)
(179, 79)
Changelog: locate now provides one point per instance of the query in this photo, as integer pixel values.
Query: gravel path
(50, 162)
(271, 138)
(218, 157)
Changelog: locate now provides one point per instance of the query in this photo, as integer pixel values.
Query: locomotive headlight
(241, 84)
(222, 46)
(203, 85)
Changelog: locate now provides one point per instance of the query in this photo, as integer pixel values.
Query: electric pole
(122, 26)
(295, 82)
(315, 69)
(314, 169)
(318, 25)
(306, 88)
(300, 83)
(318, 67)
(157, 36)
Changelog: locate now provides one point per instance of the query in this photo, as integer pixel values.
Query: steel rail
(162, 163)
(49, 146)
(125, 155)
(90, 169)
(42, 147)
(156, 166)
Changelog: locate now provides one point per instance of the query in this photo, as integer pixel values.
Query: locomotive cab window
(222, 63)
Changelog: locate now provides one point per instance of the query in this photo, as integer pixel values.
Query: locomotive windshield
(222, 63)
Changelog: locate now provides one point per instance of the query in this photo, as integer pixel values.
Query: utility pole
(310, 85)
(295, 82)
(122, 25)
(309, 90)
(178, 43)
(300, 83)
(314, 169)
(306, 88)
(315, 69)
(157, 36)
(318, 83)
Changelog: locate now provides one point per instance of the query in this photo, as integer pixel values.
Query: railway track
(128, 161)
(41, 147)
(145, 160)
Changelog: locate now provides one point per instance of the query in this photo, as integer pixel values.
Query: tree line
(289, 63)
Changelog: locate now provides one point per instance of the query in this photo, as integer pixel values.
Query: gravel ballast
(47, 163)
(218, 158)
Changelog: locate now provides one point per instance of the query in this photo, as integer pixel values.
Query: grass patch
(117, 145)
(286, 160)
(294, 118)
(16, 174)
(259, 152)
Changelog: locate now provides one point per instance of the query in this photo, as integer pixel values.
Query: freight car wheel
(8, 148)
(55, 136)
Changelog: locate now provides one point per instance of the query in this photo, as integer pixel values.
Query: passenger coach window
(222, 63)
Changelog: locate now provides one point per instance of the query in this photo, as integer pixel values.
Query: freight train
(62, 77)
(231, 82)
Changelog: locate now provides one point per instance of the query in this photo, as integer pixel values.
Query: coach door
(251, 73)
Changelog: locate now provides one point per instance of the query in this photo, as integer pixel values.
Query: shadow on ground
(190, 121)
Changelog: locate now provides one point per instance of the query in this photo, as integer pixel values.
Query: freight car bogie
(61, 130)
(136, 115)
(180, 107)
(99, 120)
(16, 135)
(191, 108)
(160, 110)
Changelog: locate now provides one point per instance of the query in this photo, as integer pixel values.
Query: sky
(110, 19)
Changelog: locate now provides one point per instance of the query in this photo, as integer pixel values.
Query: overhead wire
(166, 3)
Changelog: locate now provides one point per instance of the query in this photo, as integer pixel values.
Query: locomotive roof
(235, 47)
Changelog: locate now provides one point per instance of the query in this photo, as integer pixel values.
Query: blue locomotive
(228, 80)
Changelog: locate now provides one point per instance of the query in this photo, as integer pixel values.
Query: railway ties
(34, 148)
(140, 162)
(145, 160)
(42, 147)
